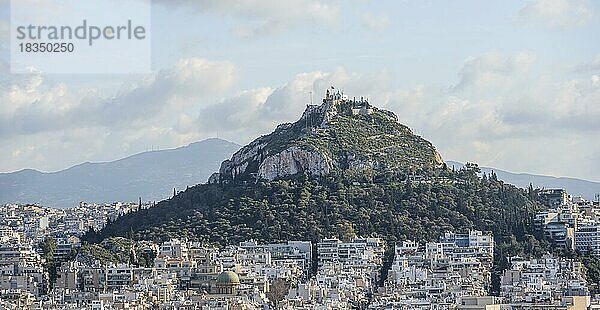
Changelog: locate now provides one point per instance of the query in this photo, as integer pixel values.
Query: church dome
(228, 278)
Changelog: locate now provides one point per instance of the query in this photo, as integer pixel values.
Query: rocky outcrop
(331, 136)
(438, 159)
(239, 162)
(294, 160)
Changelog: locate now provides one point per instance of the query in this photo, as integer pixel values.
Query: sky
(513, 85)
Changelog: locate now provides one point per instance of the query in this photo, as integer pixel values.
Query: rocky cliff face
(294, 160)
(338, 134)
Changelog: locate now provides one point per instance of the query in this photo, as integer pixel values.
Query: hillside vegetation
(303, 208)
(332, 137)
(362, 186)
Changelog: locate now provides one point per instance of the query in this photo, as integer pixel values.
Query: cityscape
(299, 154)
(454, 272)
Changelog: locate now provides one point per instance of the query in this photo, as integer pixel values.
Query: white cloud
(556, 13)
(235, 112)
(425, 108)
(254, 112)
(36, 106)
(376, 23)
(501, 111)
(507, 115)
(493, 70)
(591, 66)
(48, 125)
(51, 151)
(263, 17)
(198, 76)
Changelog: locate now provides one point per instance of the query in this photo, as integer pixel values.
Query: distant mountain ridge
(153, 175)
(149, 175)
(586, 189)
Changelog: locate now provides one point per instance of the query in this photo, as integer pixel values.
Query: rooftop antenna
(311, 99)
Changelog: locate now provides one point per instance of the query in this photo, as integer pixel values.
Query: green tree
(48, 246)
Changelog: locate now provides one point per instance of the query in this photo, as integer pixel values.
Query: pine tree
(530, 190)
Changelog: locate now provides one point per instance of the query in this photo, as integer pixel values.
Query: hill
(584, 188)
(345, 174)
(338, 135)
(150, 175)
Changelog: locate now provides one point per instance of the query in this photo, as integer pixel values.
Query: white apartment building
(587, 238)
(174, 248)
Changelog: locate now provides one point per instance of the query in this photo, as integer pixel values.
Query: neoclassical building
(227, 283)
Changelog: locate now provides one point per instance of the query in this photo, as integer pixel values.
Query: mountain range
(150, 175)
(153, 175)
(578, 187)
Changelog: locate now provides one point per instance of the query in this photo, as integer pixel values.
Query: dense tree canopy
(389, 206)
